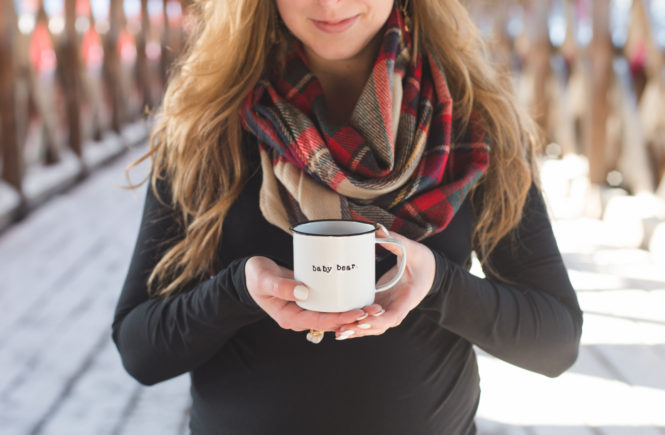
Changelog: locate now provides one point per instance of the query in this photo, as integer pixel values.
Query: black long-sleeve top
(249, 376)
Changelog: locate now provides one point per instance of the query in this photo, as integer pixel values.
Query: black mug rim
(293, 228)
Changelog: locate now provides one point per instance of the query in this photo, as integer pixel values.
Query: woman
(289, 110)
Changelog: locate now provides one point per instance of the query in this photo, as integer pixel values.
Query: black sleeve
(529, 316)
(159, 338)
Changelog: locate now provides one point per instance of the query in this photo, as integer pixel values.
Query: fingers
(384, 230)
(277, 296)
(366, 325)
(276, 292)
(326, 321)
(392, 247)
(374, 310)
(377, 322)
(291, 316)
(285, 289)
(287, 273)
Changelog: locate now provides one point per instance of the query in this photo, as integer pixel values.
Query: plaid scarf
(393, 163)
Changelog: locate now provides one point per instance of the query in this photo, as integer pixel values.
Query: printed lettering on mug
(335, 259)
(328, 269)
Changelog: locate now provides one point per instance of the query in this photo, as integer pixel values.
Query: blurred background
(78, 80)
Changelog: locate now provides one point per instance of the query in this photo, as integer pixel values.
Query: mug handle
(402, 264)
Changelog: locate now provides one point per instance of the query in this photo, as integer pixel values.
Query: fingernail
(364, 316)
(346, 334)
(379, 313)
(364, 326)
(385, 231)
(300, 292)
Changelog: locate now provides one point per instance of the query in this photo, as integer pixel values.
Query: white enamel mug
(335, 259)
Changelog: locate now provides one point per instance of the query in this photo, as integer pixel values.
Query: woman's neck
(343, 80)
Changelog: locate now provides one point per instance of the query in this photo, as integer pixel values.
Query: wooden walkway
(61, 270)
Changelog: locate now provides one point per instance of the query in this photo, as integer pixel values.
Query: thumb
(392, 246)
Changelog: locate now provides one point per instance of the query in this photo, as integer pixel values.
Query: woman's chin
(336, 52)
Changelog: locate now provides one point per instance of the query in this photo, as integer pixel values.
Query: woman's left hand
(391, 306)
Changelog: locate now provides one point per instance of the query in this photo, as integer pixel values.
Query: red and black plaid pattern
(412, 181)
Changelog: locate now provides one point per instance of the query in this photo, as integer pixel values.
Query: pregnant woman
(382, 111)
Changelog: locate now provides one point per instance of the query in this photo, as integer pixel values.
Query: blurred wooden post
(569, 49)
(503, 46)
(655, 60)
(43, 90)
(12, 163)
(539, 60)
(95, 91)
(637, 47)
(173, 36)
(112, 66)
(601, 73)
(166, 55)
(642, 35)
(70, 66)
(142, 68)
(560, 89)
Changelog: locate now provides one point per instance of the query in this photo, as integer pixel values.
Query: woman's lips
(336, 26)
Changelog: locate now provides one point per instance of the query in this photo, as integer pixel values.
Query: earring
(404, 8)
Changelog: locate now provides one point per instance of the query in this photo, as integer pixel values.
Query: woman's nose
(328, 2)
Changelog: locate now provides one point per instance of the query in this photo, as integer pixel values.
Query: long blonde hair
(196, 141)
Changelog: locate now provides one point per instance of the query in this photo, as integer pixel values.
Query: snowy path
(63, 266)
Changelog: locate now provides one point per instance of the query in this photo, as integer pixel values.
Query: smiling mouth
(335, 26)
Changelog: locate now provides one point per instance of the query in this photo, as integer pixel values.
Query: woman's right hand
(275, 291)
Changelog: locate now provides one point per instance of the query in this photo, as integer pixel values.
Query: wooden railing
(592, 72)
(74, 73)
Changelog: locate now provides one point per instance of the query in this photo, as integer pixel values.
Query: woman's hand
(275, 291)
(391, 306)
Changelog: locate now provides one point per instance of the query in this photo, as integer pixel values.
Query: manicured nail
(385, 231)
(346, 334)
(364, 325)
(379, 313)
(364, 316)
(300, 292)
